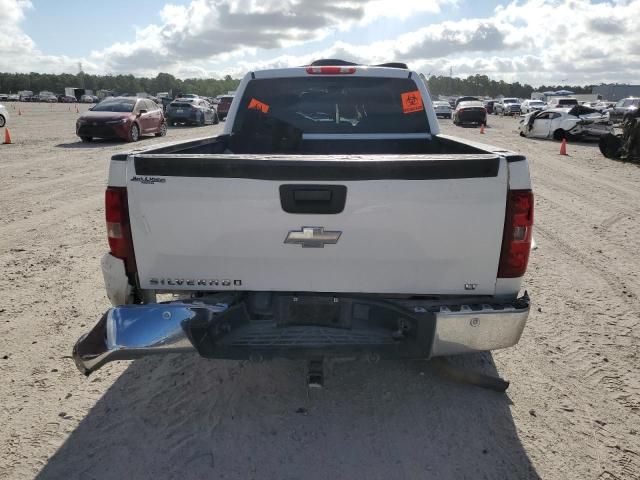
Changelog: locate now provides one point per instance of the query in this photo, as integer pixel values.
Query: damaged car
(565, 123)
(626, 145)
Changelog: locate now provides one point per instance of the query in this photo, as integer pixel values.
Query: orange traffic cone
(563, 147)
(19, 111)
(7, 136)
(482, 128)
(77, 111)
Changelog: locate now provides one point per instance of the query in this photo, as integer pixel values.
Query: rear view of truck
(331, 218)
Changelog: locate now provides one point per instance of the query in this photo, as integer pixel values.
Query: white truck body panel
(398, 236)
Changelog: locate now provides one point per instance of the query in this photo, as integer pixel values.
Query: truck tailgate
(420, 224)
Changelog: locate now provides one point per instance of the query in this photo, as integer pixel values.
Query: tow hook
(315, 373)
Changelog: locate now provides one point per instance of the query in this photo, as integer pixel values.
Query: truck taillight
(118, 229)
(516, 239)
(330, 70)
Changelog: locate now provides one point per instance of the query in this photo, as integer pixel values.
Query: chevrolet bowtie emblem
(312, 237)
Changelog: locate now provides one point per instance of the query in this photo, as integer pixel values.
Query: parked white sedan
(4, 116)
(443, 109)
(569, 123)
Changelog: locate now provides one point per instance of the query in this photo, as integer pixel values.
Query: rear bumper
(224, 326)
(185, 117)
(472, 117)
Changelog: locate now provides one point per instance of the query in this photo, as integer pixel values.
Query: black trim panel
(301, 169)
(173, 147)
(313, 199)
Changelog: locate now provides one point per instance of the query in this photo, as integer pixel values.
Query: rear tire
(216, 119)
(610, 146)
(86, 139)
(3, 121)
(163, 130)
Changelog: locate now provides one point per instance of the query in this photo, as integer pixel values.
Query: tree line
(479, 85)
(163, 82)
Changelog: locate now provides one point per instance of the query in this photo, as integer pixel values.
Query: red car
(122, 117)
(223, 106)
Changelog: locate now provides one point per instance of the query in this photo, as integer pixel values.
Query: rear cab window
(335, 105)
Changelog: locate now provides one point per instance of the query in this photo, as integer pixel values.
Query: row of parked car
(129, 118)
(470, 110)
(47, 97)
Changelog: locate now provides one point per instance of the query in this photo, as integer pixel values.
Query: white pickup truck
(330, 218)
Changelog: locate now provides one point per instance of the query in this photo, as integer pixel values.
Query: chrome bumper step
(388, 328)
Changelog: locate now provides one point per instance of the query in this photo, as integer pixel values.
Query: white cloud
(527, 41)
(212, 29)
(533, 41)
(18, 52)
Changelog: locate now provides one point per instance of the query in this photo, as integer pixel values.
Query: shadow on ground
(101, 142)
(187, 418)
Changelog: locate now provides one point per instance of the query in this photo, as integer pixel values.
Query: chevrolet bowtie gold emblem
(312, 237)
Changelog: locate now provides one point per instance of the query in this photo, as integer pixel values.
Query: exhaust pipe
(133, 331)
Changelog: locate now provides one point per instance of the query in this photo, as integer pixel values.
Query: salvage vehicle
(442, 109)
(121, 117)
(565, 123)
(48, 97)
(507, 106)
(489, 106)
(529, 106)
(191, 111)
(331, 218)
(623, 109)
(224, 105)
(89, 99)
(466, 99)
(470, 113)
(4, 116)
(626, 145)
(562, 102)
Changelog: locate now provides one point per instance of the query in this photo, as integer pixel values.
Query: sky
(530, 41)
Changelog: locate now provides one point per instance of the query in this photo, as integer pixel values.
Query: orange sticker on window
(258, 105)
(411, 102)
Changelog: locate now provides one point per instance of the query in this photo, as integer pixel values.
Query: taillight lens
(331, 70)
(118, 230)
(518, 229)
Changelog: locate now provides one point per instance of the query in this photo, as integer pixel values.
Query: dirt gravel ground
(572, 411)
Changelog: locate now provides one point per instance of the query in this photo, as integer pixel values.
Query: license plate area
(321, 311)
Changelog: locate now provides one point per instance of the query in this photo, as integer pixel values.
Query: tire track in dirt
(613, 185)
(616, 283)
(590, 232)
(46, 224)
(62, 183)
